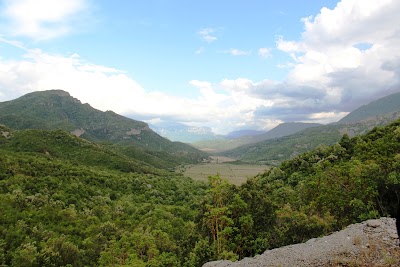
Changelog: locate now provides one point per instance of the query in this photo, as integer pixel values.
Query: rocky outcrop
(342, 246)
(134, 131)
(78, 132)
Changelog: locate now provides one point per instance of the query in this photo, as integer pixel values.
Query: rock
(373, 223)
(344, 245)
(222, 263)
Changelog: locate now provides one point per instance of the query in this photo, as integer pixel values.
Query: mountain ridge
(57, 109)
(274, 151)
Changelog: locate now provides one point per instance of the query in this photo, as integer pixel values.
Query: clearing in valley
(236, 174)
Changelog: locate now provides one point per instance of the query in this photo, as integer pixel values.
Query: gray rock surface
(324, 251)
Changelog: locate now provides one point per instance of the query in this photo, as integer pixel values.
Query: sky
(226, 64)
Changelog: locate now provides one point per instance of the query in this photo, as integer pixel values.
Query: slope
(64, 146)
(276, 150)
(387, 104)
(284, 129)
(56, 109)
(312, 195)
(68, 202)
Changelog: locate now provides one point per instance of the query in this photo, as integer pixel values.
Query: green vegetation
(384, 105)
(66, 201)
(57, 110)
(219, 145)
(236, 174)
(275, 151)
(311, 195)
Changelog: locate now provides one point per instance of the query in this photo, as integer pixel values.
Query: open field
(235, 174)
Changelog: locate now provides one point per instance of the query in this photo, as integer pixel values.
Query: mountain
(387, 104)
(175, 131)
(240, 133)
(273, 151)
(283, 129)
(62, 145)
(56, 109)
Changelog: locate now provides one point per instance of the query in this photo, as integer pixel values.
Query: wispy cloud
(41, 19)
(208, 34)
(199, 51)
(236, 52)
(264, 52)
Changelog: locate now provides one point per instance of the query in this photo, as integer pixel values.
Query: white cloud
(111, 89)
(207, 34)
(41, 19)
(331, 74)
(199, 51)
(264, 52)
(237, 52)
(329, 55)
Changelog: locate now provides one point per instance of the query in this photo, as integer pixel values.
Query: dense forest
(69, 202)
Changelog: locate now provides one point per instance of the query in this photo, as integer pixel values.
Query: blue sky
(224, 64)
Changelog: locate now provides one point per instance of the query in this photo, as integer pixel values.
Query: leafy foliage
(55, 213)
(69, 202)
(311, 195)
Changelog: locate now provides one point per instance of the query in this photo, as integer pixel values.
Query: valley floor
(236, 174)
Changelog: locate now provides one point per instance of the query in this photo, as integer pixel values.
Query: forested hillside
(69, 202)
(311, 195)
(58, 210)
(274, 151)
(57, 110)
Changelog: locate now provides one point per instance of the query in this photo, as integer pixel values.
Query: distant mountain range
(56, 109)
(176, 131)
(284, 129)
(275, 150)
(241, 133)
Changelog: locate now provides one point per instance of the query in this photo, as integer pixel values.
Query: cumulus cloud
(108, 88)
(345, 52)
(346, 57)
(41, 19)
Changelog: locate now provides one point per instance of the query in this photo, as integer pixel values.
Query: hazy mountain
(175, 131)
(384, 105)
(284, 129)
(273, 151)
(56, 109)
(240, 133)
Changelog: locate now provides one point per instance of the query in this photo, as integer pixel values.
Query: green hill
(284, 129)
(387, 104)
(56, 109)
(61, 145)
(274, 151)
(68, 202)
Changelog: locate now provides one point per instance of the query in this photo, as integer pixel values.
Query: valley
(115, 193)
(234, 173)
